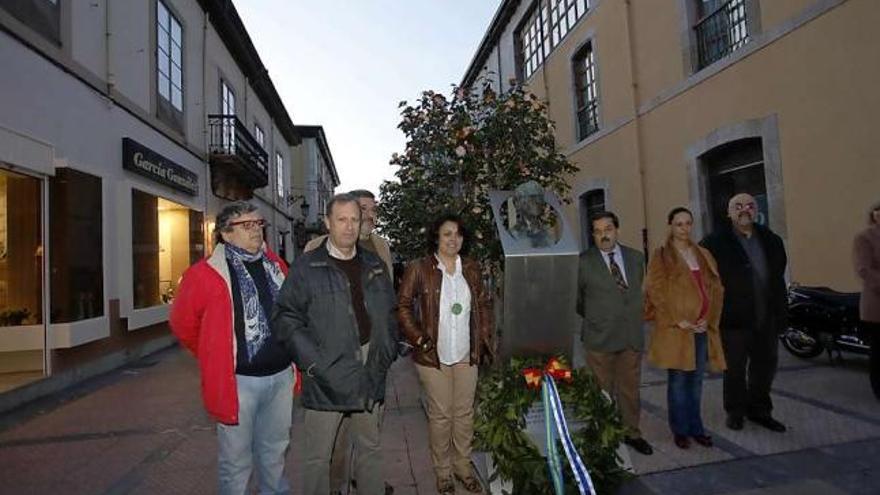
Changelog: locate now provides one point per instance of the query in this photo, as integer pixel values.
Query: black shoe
(640, 445)
(735, 422)
(768, 422)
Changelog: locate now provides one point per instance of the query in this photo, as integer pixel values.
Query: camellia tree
(458, 149)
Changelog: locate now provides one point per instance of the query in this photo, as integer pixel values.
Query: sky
(346, 64)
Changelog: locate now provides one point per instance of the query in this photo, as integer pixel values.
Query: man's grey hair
(362, 193)
(227, 215)
(341, 199)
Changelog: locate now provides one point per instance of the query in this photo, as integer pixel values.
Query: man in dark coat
(751, 261)
(336, 316)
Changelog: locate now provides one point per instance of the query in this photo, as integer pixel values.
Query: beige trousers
(343, 454)
(619, 374)
(450, 394)
(329, 439)
(320, 435)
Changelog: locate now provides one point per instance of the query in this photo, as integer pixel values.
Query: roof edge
(225, 19)
(490, 39)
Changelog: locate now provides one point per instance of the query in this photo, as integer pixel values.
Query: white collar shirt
(453, 330)
(336, 253)
(618, 258)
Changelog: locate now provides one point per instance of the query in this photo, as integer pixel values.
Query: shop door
(22, 276)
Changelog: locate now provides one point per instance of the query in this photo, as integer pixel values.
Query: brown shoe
(445, 485)
(681, 441)
(704, 440)
(470, 483)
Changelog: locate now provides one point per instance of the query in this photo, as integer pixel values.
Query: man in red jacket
(221, 314)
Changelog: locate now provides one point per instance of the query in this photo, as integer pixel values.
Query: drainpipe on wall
(638, 127)
(109, 76)
(205, 129)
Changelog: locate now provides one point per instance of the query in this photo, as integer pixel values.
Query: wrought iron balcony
(721, 32)
(235, 154)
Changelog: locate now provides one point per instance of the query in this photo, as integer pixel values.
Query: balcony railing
(230, 142)
(721, 32)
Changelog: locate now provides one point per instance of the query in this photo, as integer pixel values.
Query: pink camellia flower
(460, 151)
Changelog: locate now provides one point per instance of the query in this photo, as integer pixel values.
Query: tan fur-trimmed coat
(673, 296)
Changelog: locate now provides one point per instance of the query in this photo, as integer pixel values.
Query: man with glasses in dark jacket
(336, 316)
(751, 261)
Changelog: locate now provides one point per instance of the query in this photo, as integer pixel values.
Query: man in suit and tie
(610, 300)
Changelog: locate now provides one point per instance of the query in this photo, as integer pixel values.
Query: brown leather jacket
(418, 308)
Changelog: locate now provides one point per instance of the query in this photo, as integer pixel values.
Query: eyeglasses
(744, 206)
(250, 224)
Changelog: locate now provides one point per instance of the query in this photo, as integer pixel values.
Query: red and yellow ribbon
(555, 368)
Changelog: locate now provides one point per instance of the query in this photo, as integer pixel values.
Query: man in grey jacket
(335, 315)
(611, 302)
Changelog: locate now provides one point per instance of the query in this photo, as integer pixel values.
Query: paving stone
(807, 487)
(143, 430)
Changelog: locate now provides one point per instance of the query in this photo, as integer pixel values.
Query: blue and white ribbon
(553, 463)
(581, 475)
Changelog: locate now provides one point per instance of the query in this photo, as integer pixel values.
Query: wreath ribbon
(551, 398)
(553, 462)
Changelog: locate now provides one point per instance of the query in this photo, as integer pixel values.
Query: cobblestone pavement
(832, 445)
(142, 430)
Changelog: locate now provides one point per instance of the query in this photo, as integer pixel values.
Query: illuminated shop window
(167, 238)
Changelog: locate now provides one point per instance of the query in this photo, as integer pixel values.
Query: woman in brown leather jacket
(446, 315)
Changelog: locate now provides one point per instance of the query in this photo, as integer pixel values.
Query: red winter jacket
(201, 317)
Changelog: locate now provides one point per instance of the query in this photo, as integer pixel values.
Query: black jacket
(314, 319)
(736, 276)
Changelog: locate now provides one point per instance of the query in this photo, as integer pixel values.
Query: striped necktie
(615, 272)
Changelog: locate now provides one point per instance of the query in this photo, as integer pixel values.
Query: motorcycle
(823, 320)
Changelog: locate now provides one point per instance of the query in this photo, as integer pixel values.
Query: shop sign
(146, 162)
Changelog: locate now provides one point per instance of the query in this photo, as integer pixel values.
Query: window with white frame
(722, 27)
(544, 29)
(169, 65)
(586, 94)
(227, 108)
(227, 99)
(279, 174)
(259, 136)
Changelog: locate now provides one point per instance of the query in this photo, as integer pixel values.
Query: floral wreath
(504, 397)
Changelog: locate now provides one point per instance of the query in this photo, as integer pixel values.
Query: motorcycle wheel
(800, 343)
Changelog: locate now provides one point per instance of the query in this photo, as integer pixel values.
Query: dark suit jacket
(736, 277)
(612, 318)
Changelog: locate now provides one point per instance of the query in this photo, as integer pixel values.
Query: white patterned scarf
(256, 322)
